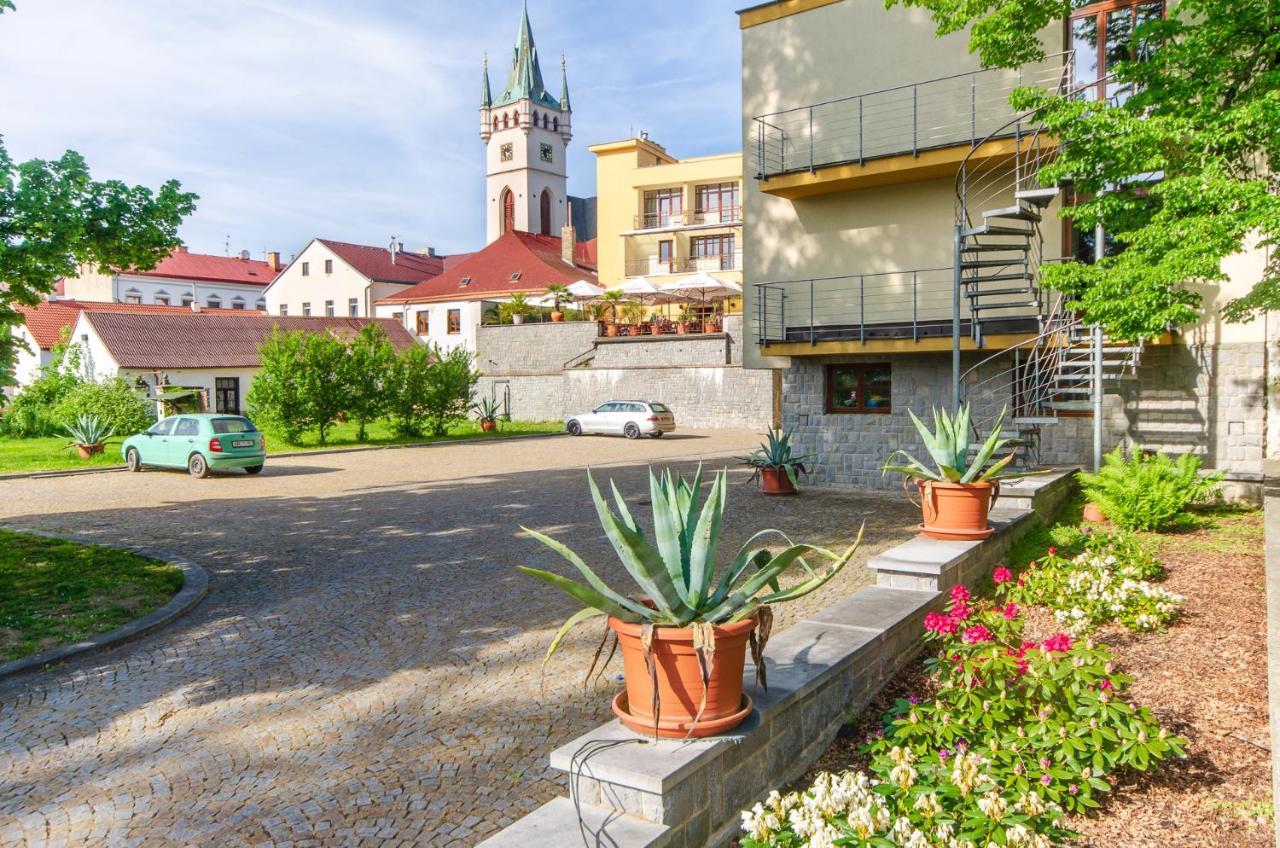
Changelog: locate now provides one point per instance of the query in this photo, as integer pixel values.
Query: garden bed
(55, 592)
(1204, 678)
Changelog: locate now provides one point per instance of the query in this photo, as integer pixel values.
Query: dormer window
(515, 277)
(464, 282)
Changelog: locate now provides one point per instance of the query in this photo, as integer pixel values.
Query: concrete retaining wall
(631, 790)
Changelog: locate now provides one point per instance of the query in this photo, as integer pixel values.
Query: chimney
(195, 306)
(182, 248)
(569, 238)
(273, 260)
(394, 248)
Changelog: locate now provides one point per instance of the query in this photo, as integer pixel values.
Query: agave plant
(87, 431)
(949, 448)
(776, 452)
(677, 570)
(487, 409)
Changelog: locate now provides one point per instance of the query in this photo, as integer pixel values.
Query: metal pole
(915, 291)
(955, 320)
(811, 139)
(861, 147)
(813, 339)
(915, 121)
(862, 309)
(760, 149)
(1098, 252)
(973, 110)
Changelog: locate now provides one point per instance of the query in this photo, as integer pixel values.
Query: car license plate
(243, 443)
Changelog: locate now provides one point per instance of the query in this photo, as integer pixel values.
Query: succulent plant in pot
(684, 640)
(776, 464)
(487, 411)
(957, 494)
(88, 433)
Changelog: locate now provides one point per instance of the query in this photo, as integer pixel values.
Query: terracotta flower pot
(611, 330)
(956, 511)
(657, 329)
(682, 329)
(1093, 512)
(557, 317)
(679, 680)
(488, 425)
(87, 451)
(775, 481)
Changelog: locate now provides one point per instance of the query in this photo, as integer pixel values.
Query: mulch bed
(1206, 679)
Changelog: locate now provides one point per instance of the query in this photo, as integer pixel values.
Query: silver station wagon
(630, 418)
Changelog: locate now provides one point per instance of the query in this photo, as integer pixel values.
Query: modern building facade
(880, 158)
(664, 218)
(181, 279)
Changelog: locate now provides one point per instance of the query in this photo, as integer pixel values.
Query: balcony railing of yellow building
(914, 304)
(905, 119)
(675, 220)
(655, 266)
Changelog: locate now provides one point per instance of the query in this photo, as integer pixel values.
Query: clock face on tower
(547, 152)
(506, 152)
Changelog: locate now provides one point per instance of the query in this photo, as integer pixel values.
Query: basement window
(859, 389)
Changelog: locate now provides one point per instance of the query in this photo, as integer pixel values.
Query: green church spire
(524, 82)
(564, 86)
(486, 96)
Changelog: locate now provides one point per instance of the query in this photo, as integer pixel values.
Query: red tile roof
(47, 320)
(166, 340)
(535, 258)
(218, 269)
(375, 262)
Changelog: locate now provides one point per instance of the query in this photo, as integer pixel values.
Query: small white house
(335, 279)
(216, 353)
(181, 279)
(447, 309)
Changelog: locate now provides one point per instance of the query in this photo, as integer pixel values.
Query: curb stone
(104, 469)
(195, 585)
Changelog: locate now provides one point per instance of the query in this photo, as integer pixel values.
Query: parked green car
(199, 443)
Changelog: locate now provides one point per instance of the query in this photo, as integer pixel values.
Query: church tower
(526, 133)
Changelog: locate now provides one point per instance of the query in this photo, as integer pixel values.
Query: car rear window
(233, 425)
(658, 407)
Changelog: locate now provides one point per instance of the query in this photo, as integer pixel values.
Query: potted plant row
(88, 434)
(776, 466)
(957, 494)
(684, 639)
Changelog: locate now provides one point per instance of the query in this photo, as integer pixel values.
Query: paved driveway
(366, 668)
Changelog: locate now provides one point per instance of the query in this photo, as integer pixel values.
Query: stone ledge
(195, 585)
(560, 822)
(819, 670)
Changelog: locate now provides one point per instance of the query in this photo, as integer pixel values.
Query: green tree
(116, 403)
(1202, 112)
(451, 389)
(409, 388)
(278, 398)
(325, 386)
(369, 363)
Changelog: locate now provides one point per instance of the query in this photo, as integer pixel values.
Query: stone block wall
(700, 378)
(1211, 400)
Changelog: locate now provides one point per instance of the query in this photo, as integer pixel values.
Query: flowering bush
(1042, 716)
(938, 805)
(1106, 582)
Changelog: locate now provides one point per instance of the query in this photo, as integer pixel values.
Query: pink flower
(1001, 575)
(1044, 763)
(1107, 687)
(1010, 612)
(960, 593)
(941, 624)
(1046, 779)
(1022, 581)
(1053, 551)
(960, 611)
(977, 633)
(1073, 789)
(1058, 643)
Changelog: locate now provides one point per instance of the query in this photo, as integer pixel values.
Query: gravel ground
(366, 668)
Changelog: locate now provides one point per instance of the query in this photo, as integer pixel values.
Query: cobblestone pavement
(366, 668)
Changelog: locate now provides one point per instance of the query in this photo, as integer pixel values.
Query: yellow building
(665, 218)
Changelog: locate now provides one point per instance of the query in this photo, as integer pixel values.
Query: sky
(354, 121)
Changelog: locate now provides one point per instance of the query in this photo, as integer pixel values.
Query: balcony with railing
(910, 305)
(668, 221)
(658, 266)
(920, 120)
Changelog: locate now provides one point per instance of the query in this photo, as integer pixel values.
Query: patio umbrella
(582, 290)
(702, 287)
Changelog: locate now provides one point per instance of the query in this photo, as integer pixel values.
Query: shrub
(1141, 491)
(450, 389)
(1106, 582)
(32, 413)
(409, 380)
(303, 384)
(120, 407)
(368, 368)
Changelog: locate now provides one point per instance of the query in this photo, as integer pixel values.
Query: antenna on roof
(245, 255)
(226, 245)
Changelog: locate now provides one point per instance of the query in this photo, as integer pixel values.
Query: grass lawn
(54, 592)
(51, 454)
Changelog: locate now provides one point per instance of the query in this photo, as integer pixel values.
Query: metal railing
(676, 220)
(940, 112)
(856, 307)
(653, 266)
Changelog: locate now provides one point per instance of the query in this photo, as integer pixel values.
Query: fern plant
(1148, 491)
